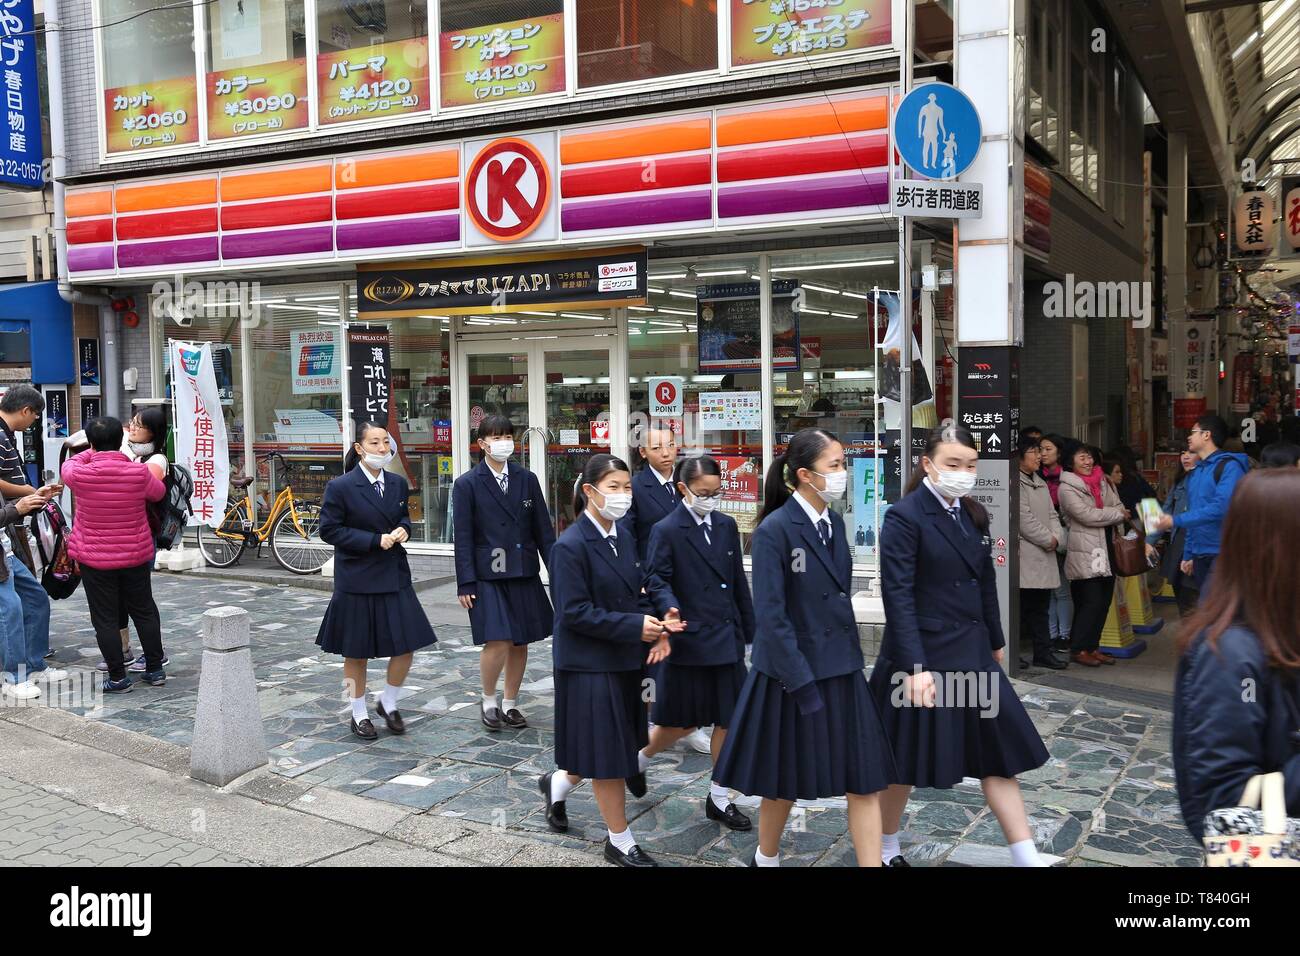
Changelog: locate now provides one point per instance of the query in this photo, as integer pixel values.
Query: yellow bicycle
(292, 527)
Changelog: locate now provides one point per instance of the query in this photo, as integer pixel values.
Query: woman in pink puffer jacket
(112, 543)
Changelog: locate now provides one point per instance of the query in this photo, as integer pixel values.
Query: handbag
(1256, 833)
(1130, 553)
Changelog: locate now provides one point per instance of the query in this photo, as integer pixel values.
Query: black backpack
(170, 514)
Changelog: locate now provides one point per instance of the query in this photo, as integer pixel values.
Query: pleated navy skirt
(517, 610)
(600, 723)
(696, 696)
(774, 751)
(374, 625)
(989, 736)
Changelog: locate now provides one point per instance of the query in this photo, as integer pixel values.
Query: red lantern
(131, 319)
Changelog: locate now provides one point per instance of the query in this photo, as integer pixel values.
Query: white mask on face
(703, 506)
(954, 484)
(616, 505)
(140, 448)
(500, 449)
(378, 462)
(836, 483)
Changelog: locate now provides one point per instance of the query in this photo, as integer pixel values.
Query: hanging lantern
(1254, 216)
(1291, 219)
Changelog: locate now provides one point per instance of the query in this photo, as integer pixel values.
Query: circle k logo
(508, 189)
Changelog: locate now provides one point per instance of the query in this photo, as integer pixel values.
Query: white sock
(760, 860)
(508, 704)
(623, 841)
(388, 697)
(560, 786)
(642, 761)
(489, 701)
(1024, 853)
(719, 795)
(889, 847)
(359, 708)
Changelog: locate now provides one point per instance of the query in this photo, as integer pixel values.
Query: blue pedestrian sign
(937, 131)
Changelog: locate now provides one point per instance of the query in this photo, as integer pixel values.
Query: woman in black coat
(374, 611)
(948, 707)
(1237, 694)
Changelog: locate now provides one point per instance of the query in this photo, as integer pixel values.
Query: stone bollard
(228, 740)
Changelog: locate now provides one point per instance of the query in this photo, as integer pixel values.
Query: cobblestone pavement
(1106, 797)
(40, 828)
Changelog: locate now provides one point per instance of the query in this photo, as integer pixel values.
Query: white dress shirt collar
(811, 512)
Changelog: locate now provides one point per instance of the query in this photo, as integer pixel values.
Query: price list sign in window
(150, 92)
(375, 67)
(494, 62)
(257, 68)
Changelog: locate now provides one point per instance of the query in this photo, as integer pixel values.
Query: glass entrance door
(556, 391)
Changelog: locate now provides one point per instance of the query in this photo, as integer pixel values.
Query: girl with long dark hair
(948, 707)
(604, 623)
(805, 725)
(374, 611)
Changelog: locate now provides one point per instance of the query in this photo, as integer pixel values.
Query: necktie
(668, 487)
(379, 488)
(503, 480)
(824, 531)
(708, 539)
(955, 511)
(613, 545)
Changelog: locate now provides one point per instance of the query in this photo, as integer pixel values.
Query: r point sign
(666, 397)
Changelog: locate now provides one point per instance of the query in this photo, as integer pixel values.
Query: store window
(256, 79)
(781, 31)
(620, 41)
(701, 324)
(484, 58)
(826, 303)
(1045, 74)
(150, 88)
(373, 59)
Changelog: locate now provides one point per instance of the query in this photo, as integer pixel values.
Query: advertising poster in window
(502, 61)
(728, 327)
(740, 489)
(88, 360)
(149, 116)
(867, 484)
(770, 31)
(56, 411)
(373, 82)
(252, 100)
(316, 361)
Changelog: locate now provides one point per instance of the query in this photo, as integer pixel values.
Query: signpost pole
(905, 269)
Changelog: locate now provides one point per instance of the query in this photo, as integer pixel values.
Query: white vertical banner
(201, 444)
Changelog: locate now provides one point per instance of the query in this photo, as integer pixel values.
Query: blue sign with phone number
(21, 148)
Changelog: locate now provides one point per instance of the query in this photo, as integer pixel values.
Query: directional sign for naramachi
(937, 131)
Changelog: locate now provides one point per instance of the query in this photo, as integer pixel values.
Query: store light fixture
(656, 289)
(580, 315)
(844, 315)
(855, 295)
(666, 275)
(809, 311)
(821, 288)
(267, 301)
(676, 312)
(316, 298)
(549, 315)
(866, 373)
(673, 325)
(837, 265)
(639, 308)
(720, 272)
(666, 331)
(682, 295)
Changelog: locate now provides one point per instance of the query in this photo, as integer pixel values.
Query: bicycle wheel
(298, 545)
(222, 546)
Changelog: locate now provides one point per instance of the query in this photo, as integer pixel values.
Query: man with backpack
(1209, 490)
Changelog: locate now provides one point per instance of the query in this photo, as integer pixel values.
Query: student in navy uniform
(943, 644)
(603, 627)
(696, 564)
(805, 725)
(653, 492)
(502, 532)
(374, 611)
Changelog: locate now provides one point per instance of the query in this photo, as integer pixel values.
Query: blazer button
(724, 587)
(825, 595)
(842, 594)
(828, 632)
(973, 581)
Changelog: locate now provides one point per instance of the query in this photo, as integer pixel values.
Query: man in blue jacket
(1209, 490)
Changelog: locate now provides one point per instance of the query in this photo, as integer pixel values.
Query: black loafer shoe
(753, 860)
(364, 729)
(1051, 662)
(556, 817)
(635, 857)
(392, 718)
(491, 718)
(636, 785)
(514, 719)
(898, 861)
(731, 818)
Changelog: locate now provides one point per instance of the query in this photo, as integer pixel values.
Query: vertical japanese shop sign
(249, 101)
(502, 61)
(384, 80)
(768, 31)
(21, 151)
(369, 375)
(201, 444)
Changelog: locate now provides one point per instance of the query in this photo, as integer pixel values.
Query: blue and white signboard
(937, 131)
(21, 151)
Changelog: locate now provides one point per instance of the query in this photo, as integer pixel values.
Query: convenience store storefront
(746, 251)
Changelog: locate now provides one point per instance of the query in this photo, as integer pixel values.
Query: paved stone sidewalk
(1105, 798)
(41, 828)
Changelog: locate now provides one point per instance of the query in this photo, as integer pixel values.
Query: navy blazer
(599, 607)
(706, 583)
(499, 535)
(650, 505)
(938, 587)
(806, 629)
(353, 517)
